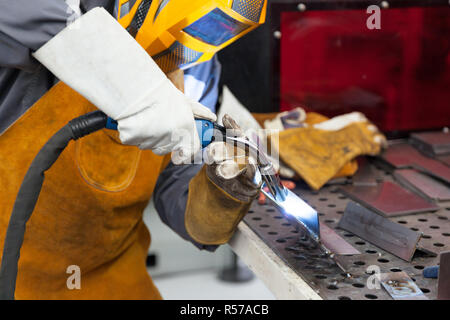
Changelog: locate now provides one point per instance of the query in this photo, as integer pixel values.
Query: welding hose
(29, 193)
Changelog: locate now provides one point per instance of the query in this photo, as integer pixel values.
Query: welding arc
(29, 193)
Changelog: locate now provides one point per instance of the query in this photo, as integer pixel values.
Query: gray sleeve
(170, 198)
(26, 26)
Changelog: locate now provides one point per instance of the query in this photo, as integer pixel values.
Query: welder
(89, 212)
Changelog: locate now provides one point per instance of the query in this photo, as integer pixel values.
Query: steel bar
(335, 243)
(432, 143)
(423, 184)
(383, 233)
(402, 156)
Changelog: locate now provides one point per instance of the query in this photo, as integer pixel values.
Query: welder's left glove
(221, 193)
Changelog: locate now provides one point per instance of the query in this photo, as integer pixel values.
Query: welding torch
(285, 200)
(210, 132)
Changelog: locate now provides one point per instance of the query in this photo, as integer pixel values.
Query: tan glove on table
(317, 153)
(222, 192)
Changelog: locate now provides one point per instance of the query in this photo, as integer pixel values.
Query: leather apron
(89, 213)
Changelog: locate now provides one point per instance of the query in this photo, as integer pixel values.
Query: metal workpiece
(401, 287)
(432, 144)
(380, 231)
(320, 271)
(422, 184)
(334, 243)
(388, 199)
(366, 175)
(405, 156)
(444, 159)
(444, 276)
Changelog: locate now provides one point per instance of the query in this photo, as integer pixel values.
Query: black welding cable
(29, 193)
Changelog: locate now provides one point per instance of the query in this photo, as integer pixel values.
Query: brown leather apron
(89, 213)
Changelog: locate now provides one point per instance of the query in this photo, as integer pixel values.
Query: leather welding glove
(222, 192)
(318, 152)
(97, 57)
(298, 118)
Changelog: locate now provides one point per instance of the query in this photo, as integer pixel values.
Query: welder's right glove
(97, 57)
(222, 192)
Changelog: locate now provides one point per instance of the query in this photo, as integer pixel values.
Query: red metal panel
(399, 76)
(389, 199)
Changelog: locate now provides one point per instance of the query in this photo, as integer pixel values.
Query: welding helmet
(183, 33)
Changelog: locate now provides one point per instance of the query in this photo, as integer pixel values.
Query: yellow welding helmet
(182, 33)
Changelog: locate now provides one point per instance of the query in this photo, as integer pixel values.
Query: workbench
(265, 238)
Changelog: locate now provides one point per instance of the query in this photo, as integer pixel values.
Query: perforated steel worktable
(266, 242)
